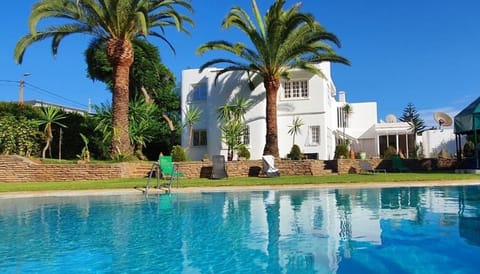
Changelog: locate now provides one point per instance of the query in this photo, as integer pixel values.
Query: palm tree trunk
(271, 139)
(45, 148)
(120, 54)
(190, 135)
(139, 152)
(48, 140)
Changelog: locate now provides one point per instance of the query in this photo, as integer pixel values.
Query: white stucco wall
(319, 109)
(314, 111)
(364, 115)
(434, 140)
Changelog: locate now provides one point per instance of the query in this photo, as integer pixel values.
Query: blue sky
(422, 51)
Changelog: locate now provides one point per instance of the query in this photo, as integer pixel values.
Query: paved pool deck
(152, 191)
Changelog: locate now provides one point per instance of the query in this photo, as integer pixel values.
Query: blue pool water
(389, 230)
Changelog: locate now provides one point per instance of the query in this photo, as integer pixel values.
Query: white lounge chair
(269, 166)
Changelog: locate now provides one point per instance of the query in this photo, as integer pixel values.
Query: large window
(246, 136)
(295, 89)
(315, 135)
(199, 92)
(199, 137)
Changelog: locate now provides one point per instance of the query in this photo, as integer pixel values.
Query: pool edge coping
(136, 191)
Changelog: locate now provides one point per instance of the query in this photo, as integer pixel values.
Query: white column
(406, 142)
(377, 141)
(396, 138)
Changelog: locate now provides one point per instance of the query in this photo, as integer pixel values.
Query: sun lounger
(219, 170)
(269, 166)
(366, 168)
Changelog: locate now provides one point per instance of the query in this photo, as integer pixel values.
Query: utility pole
(22, 88)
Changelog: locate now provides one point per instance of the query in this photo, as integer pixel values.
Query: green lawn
(239, 181)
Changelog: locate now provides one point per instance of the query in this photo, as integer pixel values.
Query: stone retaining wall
(253, 168)
(18, 169)
(345, 166)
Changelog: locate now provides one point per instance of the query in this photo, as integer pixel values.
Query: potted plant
(243, 153)
(178, 154)
(295, 153)
(341, 151)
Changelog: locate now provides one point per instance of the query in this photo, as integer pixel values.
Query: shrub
(341, 150)
(243, 152)
(469, 149)
(178, 154)
(389, 152)
(295, 153)
(19, 136)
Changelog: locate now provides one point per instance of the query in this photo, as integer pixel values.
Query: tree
(347, 110)
(295, 127)
(282, 40)
(49, 116)
(142, 127)
(147, 73)
(117, 22)
(232, 117)
(149, 79)
(18, 135)
(231, 134)
(192, 116)
(410, 115)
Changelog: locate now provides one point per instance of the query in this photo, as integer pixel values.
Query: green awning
(468, 120)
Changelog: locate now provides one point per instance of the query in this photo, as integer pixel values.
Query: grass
(238, 181)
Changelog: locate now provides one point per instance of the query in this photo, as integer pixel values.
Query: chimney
(341, 97)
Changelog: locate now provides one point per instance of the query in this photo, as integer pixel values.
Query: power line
(55, 95)
(10, 82)
(43, 90)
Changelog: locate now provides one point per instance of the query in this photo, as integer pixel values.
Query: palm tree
(347, 110)
(192, 116)
(235, 111)
(231, 133)
(297, 123)
(117, 22)
(233, 118)
(282, 40)
(49, 116)
(141, 125)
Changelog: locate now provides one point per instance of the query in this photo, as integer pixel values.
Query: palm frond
(282, 40)
(104, 19)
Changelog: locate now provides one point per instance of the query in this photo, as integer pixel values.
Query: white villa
(311, 98)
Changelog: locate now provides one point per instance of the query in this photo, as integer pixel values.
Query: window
(199, 137)
(199, 92)
(295, 89)
(246, 136)
(315, 135)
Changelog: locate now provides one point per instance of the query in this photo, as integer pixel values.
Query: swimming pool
(387, 230)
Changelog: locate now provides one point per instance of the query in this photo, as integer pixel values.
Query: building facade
(308, 97)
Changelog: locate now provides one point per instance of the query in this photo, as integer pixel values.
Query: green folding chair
(168, 171)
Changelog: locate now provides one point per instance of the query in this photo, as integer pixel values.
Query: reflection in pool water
(388, 230)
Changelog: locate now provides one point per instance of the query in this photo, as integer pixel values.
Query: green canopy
(468, 120)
